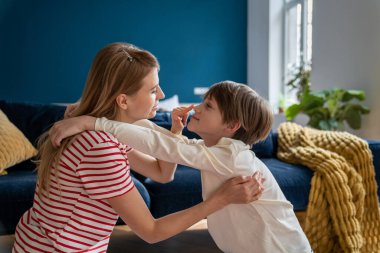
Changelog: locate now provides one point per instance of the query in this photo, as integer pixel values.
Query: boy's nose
(197, 108)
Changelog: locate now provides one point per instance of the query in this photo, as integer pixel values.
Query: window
(279, 41)
(297, 40)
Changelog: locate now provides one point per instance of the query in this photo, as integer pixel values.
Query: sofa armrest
(374, 145)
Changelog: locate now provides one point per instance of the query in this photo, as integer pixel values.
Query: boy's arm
(170, 147)
(179, 117)
(165, 169)
(160, 171)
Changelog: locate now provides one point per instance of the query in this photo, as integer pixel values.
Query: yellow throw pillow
(14, 146)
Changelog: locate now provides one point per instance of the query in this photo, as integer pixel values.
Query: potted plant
(327, 109)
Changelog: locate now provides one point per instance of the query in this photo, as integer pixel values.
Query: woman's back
(72, 214)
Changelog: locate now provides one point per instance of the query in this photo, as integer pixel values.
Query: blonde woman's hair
(117, 68)
(239, 103)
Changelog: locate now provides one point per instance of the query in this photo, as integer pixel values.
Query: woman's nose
(160, 93)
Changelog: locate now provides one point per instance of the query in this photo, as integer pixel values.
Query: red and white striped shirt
(73, 215)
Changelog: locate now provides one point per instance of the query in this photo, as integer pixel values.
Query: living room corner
(331, 177)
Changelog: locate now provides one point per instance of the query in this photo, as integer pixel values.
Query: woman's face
(144, 104)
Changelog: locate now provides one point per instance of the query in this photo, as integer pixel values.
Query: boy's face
(207, 122)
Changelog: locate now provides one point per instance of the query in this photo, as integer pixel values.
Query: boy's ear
(233, 127)
(121, 101)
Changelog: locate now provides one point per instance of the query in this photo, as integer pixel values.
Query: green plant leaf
(315, 116)
(324, 125)
(353, 119)
(327, 109)
(355, 107)
(351, 94)
(364, 109)
(334, 124)
(292, 111)
(311, 101)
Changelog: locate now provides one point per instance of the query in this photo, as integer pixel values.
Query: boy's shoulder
(233, 143)
(235, 148)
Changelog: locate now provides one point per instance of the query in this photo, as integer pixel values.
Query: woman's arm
(148, 166)
(134, 212)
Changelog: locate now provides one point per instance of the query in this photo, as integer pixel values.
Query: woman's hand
(179, 118)
(134, 212)
(241, 189)
(71, 126)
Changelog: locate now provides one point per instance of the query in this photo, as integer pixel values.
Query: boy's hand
(259, 180)
(68, 127)
(179, 118)
(69, 109)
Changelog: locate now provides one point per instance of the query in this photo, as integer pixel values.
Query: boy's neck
(212, 140)
(209, 142)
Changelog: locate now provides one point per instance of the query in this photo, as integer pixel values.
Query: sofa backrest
(32, 119)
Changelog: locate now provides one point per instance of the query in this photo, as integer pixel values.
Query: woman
(85, 184)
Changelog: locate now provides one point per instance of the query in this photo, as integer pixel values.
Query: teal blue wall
(47, 46)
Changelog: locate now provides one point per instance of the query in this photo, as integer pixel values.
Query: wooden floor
(194, 240)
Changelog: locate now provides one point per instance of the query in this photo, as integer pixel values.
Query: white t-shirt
(266, 225)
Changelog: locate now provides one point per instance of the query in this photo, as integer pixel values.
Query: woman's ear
(121, 101)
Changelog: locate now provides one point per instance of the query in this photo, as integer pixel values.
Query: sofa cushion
(265, 148)
(17, 191)
(163, 119)
(183, 192)
(14, 146)
(294, 181)
(31, 118)
(142, 190)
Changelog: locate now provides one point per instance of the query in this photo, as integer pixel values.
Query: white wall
(346, 52)
(264, 61)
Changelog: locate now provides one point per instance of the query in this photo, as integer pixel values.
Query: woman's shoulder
(91, 144)
(90, 139)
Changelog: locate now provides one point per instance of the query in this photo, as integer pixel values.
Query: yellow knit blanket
(343, 212)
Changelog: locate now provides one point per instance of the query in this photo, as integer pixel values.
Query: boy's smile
(194, 117)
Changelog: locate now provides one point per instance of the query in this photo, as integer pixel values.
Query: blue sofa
(17, 188)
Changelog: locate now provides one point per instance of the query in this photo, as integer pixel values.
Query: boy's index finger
(189, 108)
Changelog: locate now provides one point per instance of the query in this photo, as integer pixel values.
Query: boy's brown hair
(240, 103)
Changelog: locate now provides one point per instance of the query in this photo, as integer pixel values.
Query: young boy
(231, 118)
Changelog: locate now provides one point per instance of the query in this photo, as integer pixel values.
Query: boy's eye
(208, 105)
(154, 91)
